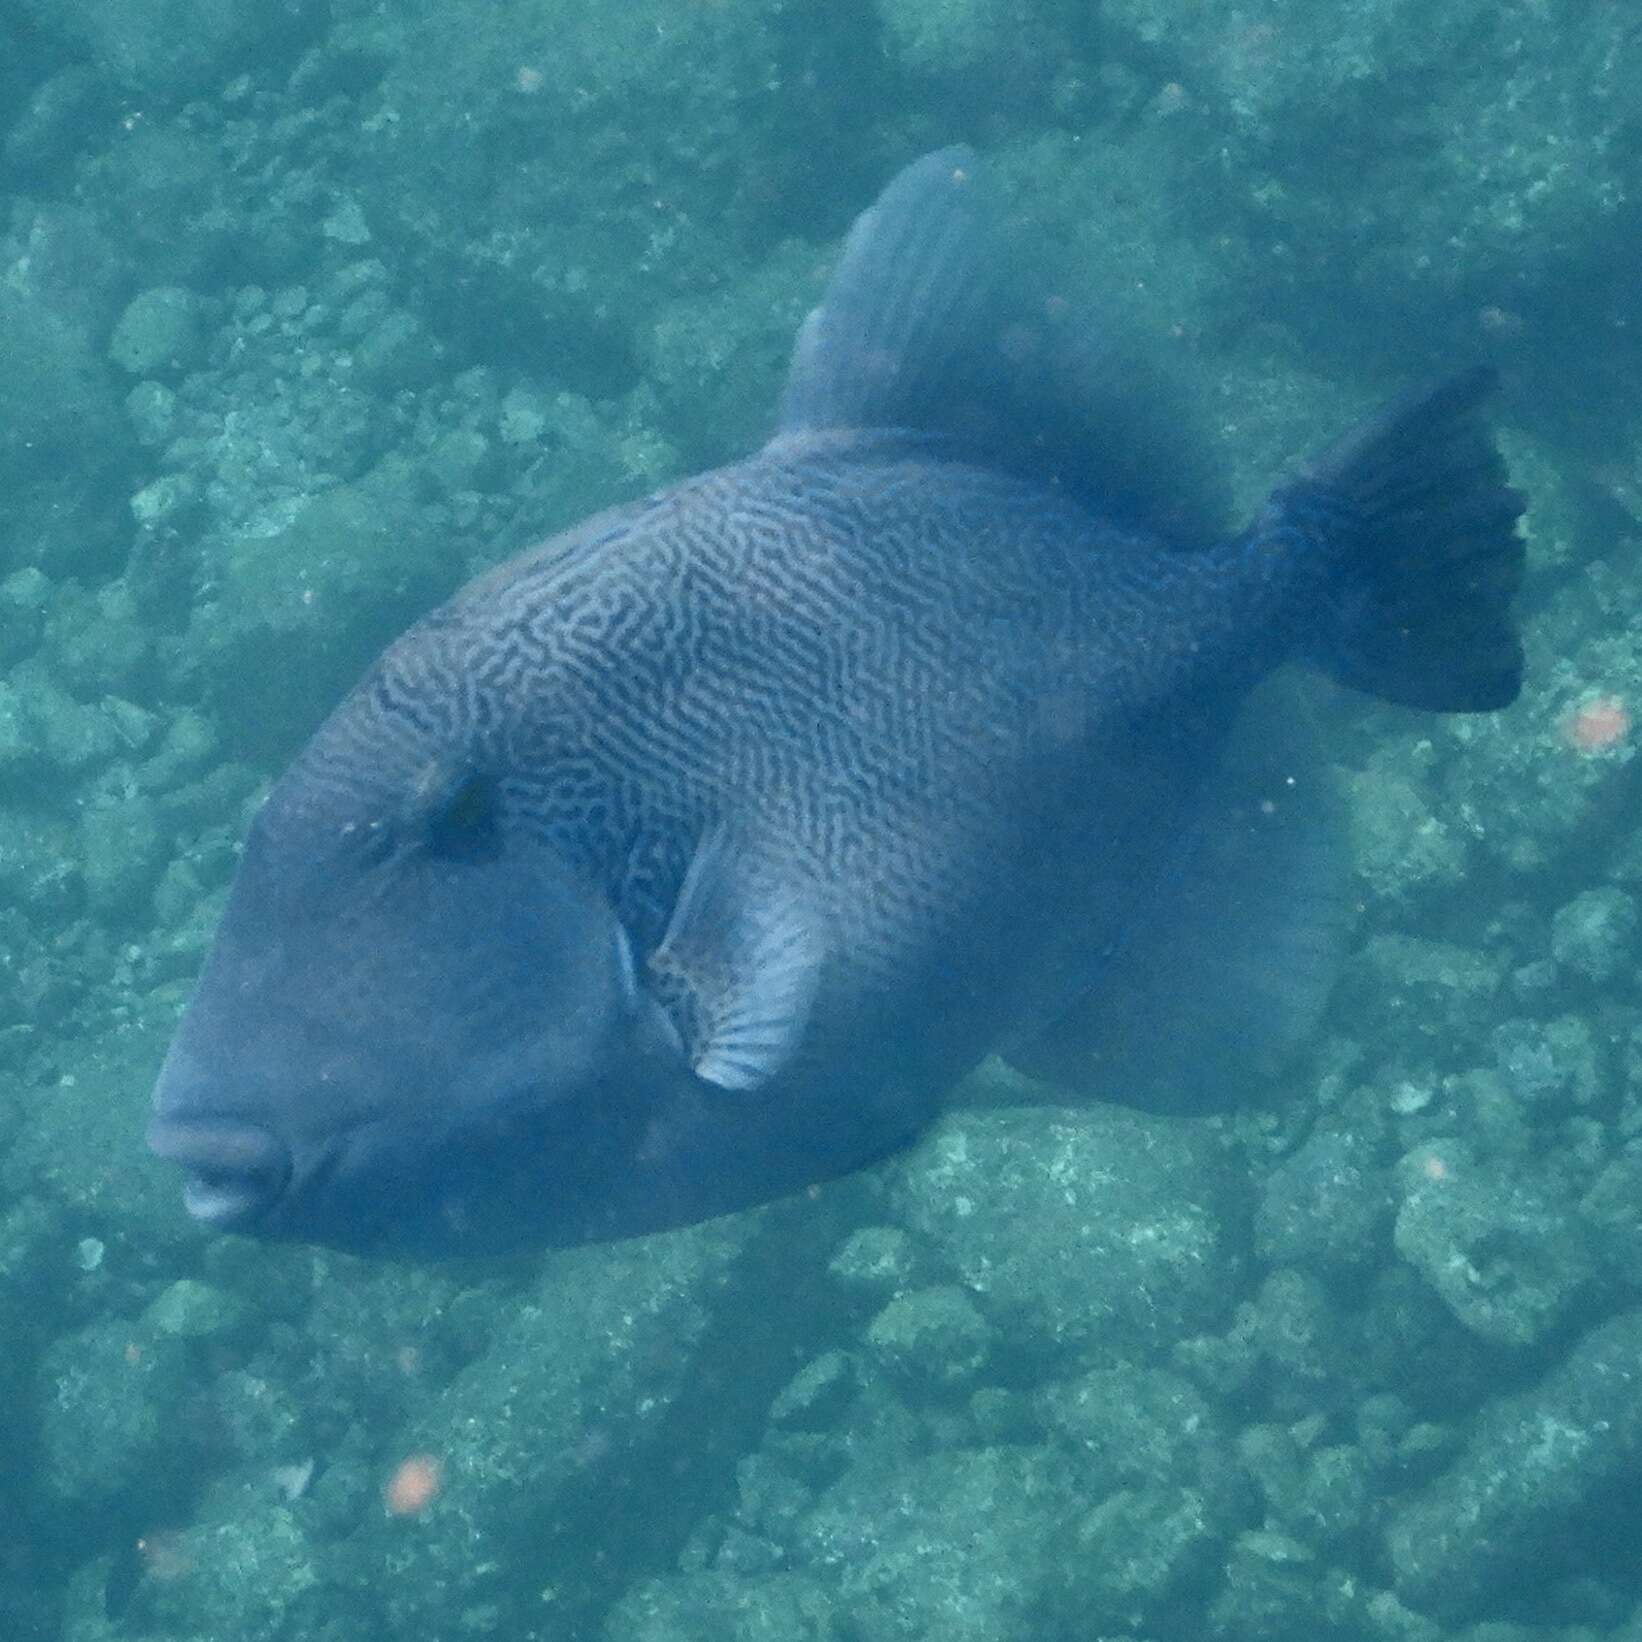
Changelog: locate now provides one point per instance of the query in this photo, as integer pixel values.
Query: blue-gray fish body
(690, 858)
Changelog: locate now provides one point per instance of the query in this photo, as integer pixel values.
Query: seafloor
(307, 310)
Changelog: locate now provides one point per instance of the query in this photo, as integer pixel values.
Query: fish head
(418, 1027)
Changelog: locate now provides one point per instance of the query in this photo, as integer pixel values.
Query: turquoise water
(306, 313)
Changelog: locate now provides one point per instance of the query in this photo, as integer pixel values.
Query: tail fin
(1428, 552)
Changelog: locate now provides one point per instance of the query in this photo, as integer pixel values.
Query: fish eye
(465, 825)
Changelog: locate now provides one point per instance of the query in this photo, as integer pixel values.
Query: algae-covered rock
(60, 433)
(23, 598)
(1271, 1588)
(966, 1544)
(1550, 1068)
(722, 1607)
(770, 1498)
(108, 1399)
(716, 360)
(1319, 1496)
(947, 36)
(1399, 844)
(1532, 1461)
(53, 393)
(151, 408)
(876, 1260)
(574, 170)
(573, 1400)
(96, 642)
(167, 48)
(396, 353)
(123, 843)
(310, 604)
(191, 1310)
(1328, 1204)
(1138, 1546)
(816, 1395)
(42, 728)
(1297, 105)
(1419, 997)
(242, 1568)
(1095, 1230)
(931, 1341)
(1612, 1208)
(1299, 1332)
(53, 122)
(1594, 933)
(160, 332)
(1130, 1425)
(995, 48)
(1506, 1260)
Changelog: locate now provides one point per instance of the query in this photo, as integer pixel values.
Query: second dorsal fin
(942, 319)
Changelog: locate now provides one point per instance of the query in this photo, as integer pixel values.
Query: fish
(693, 857)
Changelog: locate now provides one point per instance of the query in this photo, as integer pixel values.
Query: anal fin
(1226, 967)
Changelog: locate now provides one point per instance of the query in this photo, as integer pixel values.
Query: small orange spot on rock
(164, 1555)
(1170, 99)
(414, 1485)
(1505, 321)
(1598, 725)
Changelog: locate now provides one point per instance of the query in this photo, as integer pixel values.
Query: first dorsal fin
(943, 319)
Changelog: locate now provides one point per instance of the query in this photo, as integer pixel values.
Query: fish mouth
(236, 1170)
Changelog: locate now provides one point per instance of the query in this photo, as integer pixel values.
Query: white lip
(218, 1202)
(234, 1169)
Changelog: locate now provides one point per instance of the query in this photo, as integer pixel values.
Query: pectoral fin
(745, 949)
